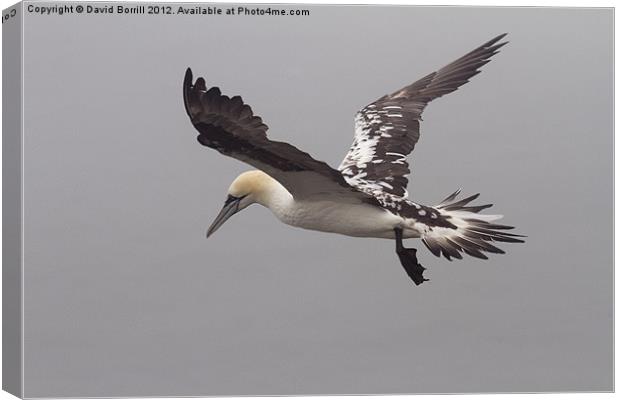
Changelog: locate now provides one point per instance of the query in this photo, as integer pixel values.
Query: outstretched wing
(387, 130)
(229, 126)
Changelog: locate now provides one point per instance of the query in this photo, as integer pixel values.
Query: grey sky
(125, 296)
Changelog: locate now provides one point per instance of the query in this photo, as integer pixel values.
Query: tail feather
(449, 198)
(459, 204)
(474, 232)
(477, 209)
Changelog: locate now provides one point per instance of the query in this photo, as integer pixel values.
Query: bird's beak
(231, 206)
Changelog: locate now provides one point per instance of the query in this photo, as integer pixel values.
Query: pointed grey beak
(231, 206)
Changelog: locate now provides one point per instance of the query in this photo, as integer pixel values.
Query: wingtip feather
(187, 85)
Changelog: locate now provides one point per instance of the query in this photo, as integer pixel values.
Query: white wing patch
(369, 166)
(387, 130)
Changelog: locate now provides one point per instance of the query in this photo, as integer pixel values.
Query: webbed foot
(409, 260)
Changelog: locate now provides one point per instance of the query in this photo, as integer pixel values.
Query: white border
(510, 3)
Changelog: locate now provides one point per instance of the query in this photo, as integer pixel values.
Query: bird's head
(248, 188)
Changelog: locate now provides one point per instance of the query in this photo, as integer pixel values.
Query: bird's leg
(408, 259)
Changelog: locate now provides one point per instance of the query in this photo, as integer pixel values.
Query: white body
(347, 219)
(359, 220)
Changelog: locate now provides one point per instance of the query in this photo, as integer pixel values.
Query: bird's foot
(409, 260)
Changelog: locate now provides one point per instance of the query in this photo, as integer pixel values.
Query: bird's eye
(232, 198)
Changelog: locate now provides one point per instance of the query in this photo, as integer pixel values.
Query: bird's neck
(274, 196)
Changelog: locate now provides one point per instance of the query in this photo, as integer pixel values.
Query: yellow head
(248, 188)
(251, 183)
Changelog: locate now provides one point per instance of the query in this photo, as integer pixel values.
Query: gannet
(367, 195)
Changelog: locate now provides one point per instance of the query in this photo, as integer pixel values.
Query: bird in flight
(366, 196)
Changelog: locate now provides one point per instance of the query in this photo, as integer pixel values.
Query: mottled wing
(387, 130)
(229, 126)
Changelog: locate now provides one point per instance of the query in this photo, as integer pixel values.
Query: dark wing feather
(388, 129)
(230, 127)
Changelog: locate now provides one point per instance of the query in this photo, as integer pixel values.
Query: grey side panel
(11, 200)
